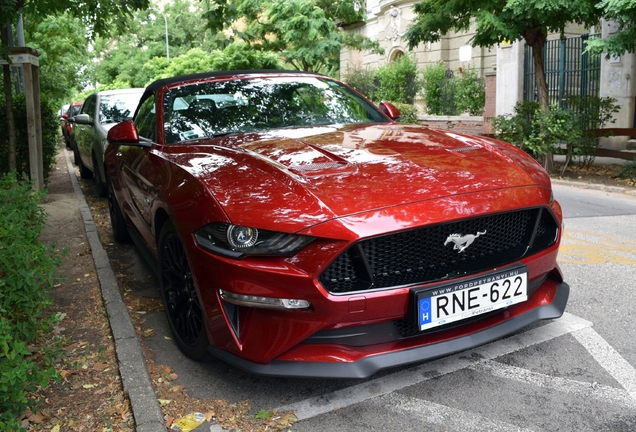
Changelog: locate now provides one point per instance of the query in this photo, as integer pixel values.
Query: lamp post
(165, 20)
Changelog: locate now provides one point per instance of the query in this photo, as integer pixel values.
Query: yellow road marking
(582, 247)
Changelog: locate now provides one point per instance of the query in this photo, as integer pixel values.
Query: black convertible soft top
(152, 88)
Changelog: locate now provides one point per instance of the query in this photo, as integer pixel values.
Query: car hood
(293, 179)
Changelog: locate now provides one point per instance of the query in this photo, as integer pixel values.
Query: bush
(50, 136)
(536, 132)
(453, 94)
(628, 171)
(362, 80)
(434, 79)
(470, 91)
(408, 113)
(554, 127)
(397, 81)
(594, 113)
(539, 133)
(27, 270)
(516, 128)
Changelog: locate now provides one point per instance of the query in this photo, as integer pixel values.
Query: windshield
(114, 108)
(256, 105)
(74, 110)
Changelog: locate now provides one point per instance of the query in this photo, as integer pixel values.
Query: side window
(146, 119)
(89, 107)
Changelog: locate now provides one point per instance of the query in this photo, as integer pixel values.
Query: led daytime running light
(263, 302)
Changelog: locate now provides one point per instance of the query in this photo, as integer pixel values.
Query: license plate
(453, 302)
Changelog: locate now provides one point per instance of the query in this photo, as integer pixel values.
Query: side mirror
(64, 116)
(81, 119)
(125, 133)
(390, 110)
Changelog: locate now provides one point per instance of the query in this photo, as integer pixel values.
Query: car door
(84, 134)
(140, 173)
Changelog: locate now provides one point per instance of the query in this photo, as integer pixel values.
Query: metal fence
(569, 70)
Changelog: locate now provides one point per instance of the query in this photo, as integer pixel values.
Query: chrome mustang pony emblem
(461, 242)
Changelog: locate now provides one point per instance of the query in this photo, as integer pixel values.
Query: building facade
(502, 66)
(387, 22)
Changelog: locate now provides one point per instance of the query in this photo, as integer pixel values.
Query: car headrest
(202, 104)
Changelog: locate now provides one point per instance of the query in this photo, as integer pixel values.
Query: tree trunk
(536, 39)
(539, 74)
(9, 102)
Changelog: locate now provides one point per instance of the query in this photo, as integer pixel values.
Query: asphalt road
(574, 373)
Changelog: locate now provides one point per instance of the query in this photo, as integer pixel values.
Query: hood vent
(465, 149)
(317, 167)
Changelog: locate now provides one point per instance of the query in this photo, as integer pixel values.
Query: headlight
(237, 241)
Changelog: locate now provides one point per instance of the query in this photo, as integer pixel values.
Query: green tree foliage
(237, 56)
(137, 54)
(97, 16)
(496, 21)
(303, 32)
(623, 13)
(61, 41)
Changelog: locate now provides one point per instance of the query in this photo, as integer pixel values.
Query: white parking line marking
(449, 418)
(598, 392)
(608, 358)
(358, 393)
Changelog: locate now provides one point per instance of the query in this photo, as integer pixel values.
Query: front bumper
(369, 365)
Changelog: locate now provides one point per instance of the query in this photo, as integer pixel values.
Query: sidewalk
(69, 223)
(598, 161)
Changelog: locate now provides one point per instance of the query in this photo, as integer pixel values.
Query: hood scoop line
(335, 165)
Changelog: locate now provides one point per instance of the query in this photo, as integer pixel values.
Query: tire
(179, 295)
(102, 190)
(75, 155)
(85, 173)
(117, 221)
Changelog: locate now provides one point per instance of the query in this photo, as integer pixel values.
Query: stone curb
(132, 365)
(594, 186)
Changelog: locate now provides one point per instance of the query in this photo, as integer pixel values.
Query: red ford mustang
(299, 231)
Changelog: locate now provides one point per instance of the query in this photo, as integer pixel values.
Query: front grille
(420, 255)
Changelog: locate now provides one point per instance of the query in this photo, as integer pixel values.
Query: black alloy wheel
(179, 294)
